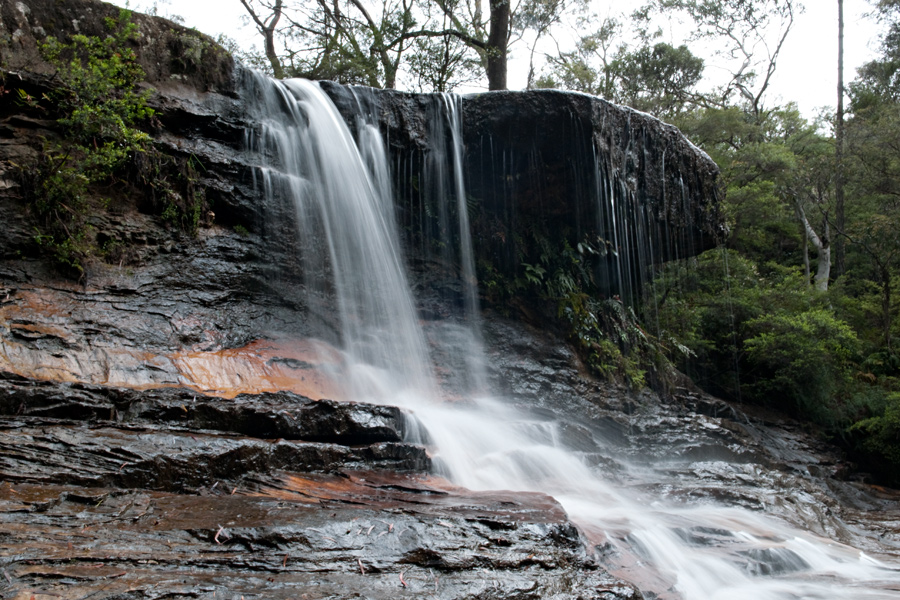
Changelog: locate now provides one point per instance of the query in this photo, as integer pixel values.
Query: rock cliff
(167, 428)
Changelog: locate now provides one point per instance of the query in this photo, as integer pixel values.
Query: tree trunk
(823, 264)
(390, 78)
(277, 69)
(806, 255)
(267, 29)
(839, 150)
(823, 248)
(497, 44)
(886, 307)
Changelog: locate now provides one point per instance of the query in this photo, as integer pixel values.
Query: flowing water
(351, 250)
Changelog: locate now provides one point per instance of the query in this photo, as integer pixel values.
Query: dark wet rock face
(574, 167)
(177, 440)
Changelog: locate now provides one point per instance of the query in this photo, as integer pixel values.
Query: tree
(441, 59)
(886, 9)
(588, 68)
(438, 64)
(658, 79)
(748, 33)
(267, 27)
(539, 16)
(490, 36)
(873, 148)
(369, 41)
(356, 43)
(873, 166)
(839, 146)
(757, 333)
(799, 359)
(808, 187)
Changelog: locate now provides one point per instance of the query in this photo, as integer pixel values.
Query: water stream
(341, 189)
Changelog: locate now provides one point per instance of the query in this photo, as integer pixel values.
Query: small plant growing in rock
(100, 107)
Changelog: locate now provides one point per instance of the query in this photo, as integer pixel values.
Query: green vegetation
(772, 319)
(558, 278)
(879, 437)
(100, 108)
(762, 335)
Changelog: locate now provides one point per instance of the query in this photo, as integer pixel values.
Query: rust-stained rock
(162, 493)
(140, 544)
(97, 338)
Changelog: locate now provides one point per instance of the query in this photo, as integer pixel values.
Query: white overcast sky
(807, 71)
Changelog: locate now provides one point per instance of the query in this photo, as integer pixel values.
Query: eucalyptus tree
(661, 79)
(657, 78)
(634, 67)
(748, 34)
(350, 42)
(267, 23)
(374, 41)
(873, 172)
(839, 145)
(811, 186)
(490, 34)
(440, 63)
(588, 67)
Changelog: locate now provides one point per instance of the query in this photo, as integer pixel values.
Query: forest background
(798, 309)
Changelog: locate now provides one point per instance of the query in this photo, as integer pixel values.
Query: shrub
(100, 107)
(799, 361)
(100, 104)
(879, 438)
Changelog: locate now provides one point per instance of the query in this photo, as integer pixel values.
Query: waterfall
(350, 246)
(348, 236)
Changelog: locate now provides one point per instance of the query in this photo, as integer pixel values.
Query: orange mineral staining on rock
(77, 336)
(299, 366)
(420, 492)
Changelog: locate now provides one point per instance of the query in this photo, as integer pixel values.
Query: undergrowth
(101, 112)
(604, 330)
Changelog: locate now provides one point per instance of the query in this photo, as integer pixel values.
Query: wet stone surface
(690, 449)
(175, 440)
(122, 493)
(267, 415)
(141, 544)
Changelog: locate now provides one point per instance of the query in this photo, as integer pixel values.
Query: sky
(806, 74)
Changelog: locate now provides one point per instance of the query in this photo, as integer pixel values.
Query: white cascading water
(343, 201)
(346, 211)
